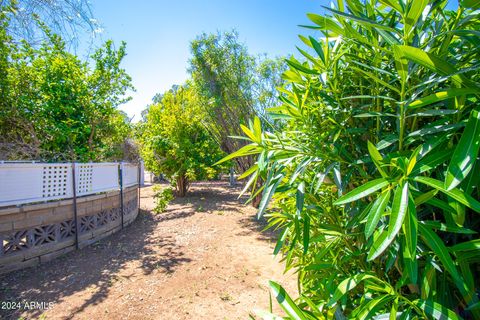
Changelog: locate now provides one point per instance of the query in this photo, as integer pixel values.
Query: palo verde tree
(374, 180)
(175, 142)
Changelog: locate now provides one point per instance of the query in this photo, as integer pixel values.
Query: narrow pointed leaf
(300, 197)
(376, 212)
(347, 285)
(440, 250)
(465, 153)
(379, 246)
(442, 95)
(436, 310)
(249, 149)
(376, 157)
(433, 63)
(362, 191)
(456, 194)
(399, 210)
(287, 304)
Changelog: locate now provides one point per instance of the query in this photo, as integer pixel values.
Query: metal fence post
(120, 180)
(75, 214)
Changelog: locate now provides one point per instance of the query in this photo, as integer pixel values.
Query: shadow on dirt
(137, 248)
(94, 268)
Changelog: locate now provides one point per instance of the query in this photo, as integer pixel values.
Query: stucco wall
(32, 234)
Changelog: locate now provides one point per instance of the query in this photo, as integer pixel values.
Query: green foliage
(56, 107)
(374, 179)
(162, 197)
(175, 141)
(233, 86)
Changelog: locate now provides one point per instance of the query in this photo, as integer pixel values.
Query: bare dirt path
(205, 257)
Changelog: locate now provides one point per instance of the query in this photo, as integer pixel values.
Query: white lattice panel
(57, 181)
(83, 178)
(130, 174)
(34, 182)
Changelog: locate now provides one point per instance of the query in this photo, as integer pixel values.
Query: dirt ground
(205, 257)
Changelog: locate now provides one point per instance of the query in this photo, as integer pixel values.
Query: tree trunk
(182, 185)
(258, 198)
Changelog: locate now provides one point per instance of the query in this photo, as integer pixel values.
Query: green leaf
(376, 79)
(318, 48)
(249, 133)
(300, 197)
(433, 113)
(281, 241)
(393, 4)
(465, 153)
(380, 244)
(436, 129)
(306, 233)
(399, 209)
(456, 194)
(247, 150)
(257, 129)
(437, 225)
(436, 310)
(346, 285)
(268, 192)
(410, 230)
(401, 64)
(287, 304)
(248, 172)
(433, 63)
(442, 95)
(414, 13)
(438, 247)
(472, 4)
(296, 65)
(473, 245)
(376, 212)
(370, 309)
(376, 157)
(363, 21)
(325, 23)
(362, 191)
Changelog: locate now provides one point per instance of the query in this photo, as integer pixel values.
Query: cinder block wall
(33, 234)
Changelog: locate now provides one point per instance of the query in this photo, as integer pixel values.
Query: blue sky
(158, 34)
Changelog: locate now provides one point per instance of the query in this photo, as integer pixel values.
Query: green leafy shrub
(55, 107)
(374, 179)
(176, 143)
(162, 196)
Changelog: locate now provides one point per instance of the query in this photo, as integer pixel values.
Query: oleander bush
(374, 178)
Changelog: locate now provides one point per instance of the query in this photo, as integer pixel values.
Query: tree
(65, 18)
(232, 85)
(56, 107)
(175, 142)
(221, 69)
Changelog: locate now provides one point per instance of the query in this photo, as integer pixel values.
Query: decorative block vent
(54, 181)
(84, 182)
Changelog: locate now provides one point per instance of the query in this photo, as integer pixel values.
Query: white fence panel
(105, 177)
(93, 178)
(130, 174)
(22, 183)
(34, 182)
